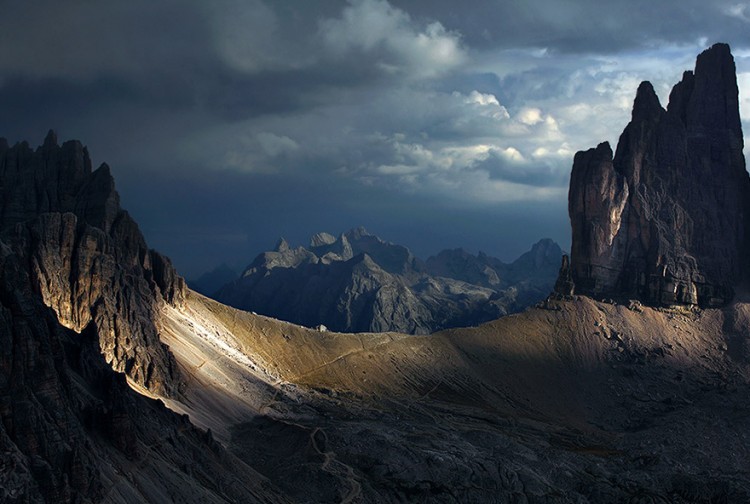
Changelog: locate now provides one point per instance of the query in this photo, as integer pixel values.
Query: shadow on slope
(579, 400)
(73, 431)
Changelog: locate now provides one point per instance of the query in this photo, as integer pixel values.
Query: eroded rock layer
(665, 219)
(87, 257)
(80, 294)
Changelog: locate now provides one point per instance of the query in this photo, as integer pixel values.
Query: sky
(434, 123)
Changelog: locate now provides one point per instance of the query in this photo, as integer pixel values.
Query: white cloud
(239, 148)
(442, 141)
(563, 151)
(485, 104)
(274, 145)
(409, 135)
(512, 154)
(530, 116)
(485, 99)
(470, 172)
(399, 169)
(376, 26)
(252, 37)
(246, 33)
(743, 82)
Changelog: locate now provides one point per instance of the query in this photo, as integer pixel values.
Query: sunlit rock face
(665, 219)
(87, 257)
(80, 294)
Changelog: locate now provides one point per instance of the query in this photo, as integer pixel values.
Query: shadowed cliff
(79, 298)
(666, 219)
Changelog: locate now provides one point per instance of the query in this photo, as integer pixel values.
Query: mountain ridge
(66, 218)
(359, 282)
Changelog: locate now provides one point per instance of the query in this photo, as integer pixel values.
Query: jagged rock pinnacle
(665, 219)
(87, 258)
(51, 139)
(281, 246)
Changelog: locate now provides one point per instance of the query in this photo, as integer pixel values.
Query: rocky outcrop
(358, 282)
(72, 431)
(665, 219)
(86, 257)
(79, 296)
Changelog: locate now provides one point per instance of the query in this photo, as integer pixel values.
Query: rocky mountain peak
(50, 140)
(322, 239)
(544, 252)
(357, 233)
(646, 106)
(82, 300)
(281, 246)
(87, 257)
(360, 282)
(665, 219)
(714, 101)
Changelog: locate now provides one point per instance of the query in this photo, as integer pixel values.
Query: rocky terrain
(358, 282)
(576, 401)
(666, 218)
(79, 298)
(88, 259)
(118, 384)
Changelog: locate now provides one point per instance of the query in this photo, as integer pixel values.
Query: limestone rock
(72, 431)
(79, 299)
(665, 219)
(564, 285)
(87, 257)
(322, 239)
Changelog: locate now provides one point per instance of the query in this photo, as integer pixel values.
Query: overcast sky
(434, 123)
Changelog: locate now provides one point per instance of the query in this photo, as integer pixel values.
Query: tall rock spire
(665, 219)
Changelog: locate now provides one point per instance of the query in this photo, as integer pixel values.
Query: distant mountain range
(360, 283)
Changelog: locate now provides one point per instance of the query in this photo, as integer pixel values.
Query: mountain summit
(665, 219)
(359, 282)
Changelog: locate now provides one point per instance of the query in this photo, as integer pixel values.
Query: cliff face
(665, 219)
(79, 291)
(86, 256)
(72, 431)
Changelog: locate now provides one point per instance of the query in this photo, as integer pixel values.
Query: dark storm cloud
(80, 41)
(232, 122)
(535, 174)
(586, 26)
